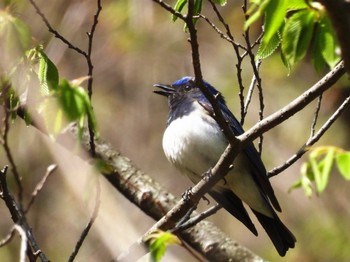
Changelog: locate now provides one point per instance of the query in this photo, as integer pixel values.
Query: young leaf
(326, 170)
(179, 5)
(267, 49)
(220, 2)
(160, 240)
(316, 51)
(48, 73)
(76, 104)
(327, 42)
(297, 35)
(343, 164)
(275, 13)
(14, 33)
(255, 12)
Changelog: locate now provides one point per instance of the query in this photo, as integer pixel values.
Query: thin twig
(54, 32)
(236, 48)
(250, 91)
(170, 9)
(255, 68)
(50, 169)
(195, 220)
(23, 249)
(18, 216)
(7, 238)
(9, 155)
(89, 224)
(316, 114)
(90, 72)
(312, 140)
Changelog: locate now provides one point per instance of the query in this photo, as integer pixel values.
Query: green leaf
(327, 42)
(14, 32)
(327, 164)
(160, 240)
(267, 49)
(275, 13)
(76, 104)
(220, 2)
(305, 181)
(197, 7)
(297, 35)
(255, 12)
(296, 4)
(48, 73)
(343, 164)
(179, 5)
(316, 55)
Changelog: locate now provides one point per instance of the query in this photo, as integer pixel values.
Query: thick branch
(155, 201)
(295, 106)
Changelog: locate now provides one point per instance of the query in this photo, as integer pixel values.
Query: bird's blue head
(182, 93)
(185, 91)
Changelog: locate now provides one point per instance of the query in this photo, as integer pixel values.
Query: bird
(193, 143)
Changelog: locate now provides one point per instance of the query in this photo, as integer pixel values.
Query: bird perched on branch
(193, 142)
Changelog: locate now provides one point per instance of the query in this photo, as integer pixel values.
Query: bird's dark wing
(228, 200)
(280, 235)
(258, 170)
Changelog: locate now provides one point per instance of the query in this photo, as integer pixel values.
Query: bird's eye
(187, 87)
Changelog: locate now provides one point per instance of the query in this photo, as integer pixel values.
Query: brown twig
(50, 169)
(90, 71)
(86, 230)
(9, 155)
(54, 32)
(312, 140)
(18, 216)
(239, 56)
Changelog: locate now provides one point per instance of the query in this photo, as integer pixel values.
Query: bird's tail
(280, 235)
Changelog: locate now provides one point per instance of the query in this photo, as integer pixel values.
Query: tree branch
(18, 216)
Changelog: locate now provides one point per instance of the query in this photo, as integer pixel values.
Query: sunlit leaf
(15, 38)
(159, 241)
(48, 73)
(220, 2)
(297, 35)
(267, 49)
(296, 4)
(76, 104)
(317, 58)
(326, 170)
(14, 32)
(305, 181)
(179, 5)
(343, 164)
(327, 42)
(275, 13)
(255, 12)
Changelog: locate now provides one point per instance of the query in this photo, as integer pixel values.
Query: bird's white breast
(194, 142)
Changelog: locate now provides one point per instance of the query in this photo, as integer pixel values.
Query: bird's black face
(178, 90)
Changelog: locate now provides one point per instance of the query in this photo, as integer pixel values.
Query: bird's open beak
(166, 90)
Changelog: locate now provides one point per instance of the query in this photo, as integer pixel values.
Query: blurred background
(137, 45)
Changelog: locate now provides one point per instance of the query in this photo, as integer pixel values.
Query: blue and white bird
(193, 142)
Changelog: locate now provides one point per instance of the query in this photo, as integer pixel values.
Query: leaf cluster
(317, 169)
(57, 102)
(297, 27)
